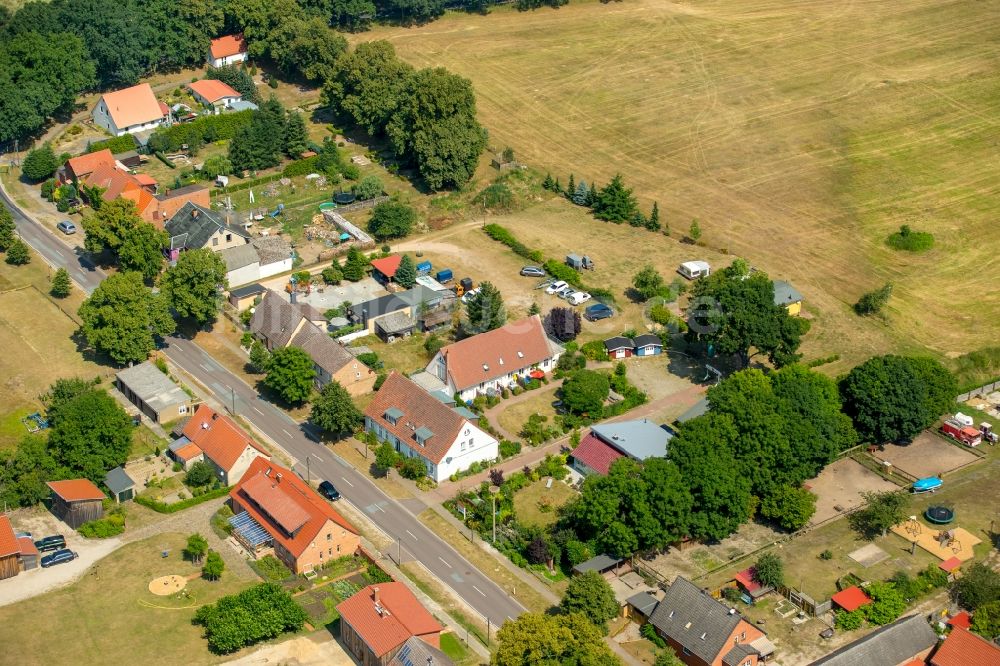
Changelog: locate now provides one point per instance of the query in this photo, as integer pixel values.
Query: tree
(592, 195)
(694, 233)
(260, 144)
(647, 283)
(536, 639)
(260, 357)
(369, 86)
(355, 265)
(40, 164)
(769, 570)
(591, 596)
(368, 187)
(214, 566)
(238, 79)
(306, 48)
(790, 507)
(653, 223)
(735, 312)
(334, 411)
(60, 287)
(296, 136)
(485, 311)
(977, 587)
(391, 219)
(332, 274)
(255, 614)
(882, 510)
(563, 323)
(667, 657)
(200, 474)
(887, 603)
(107, 228)
(580, 194)
(406, 273)
(850, 621)
(142, 250)
(290, 374)
(215, 166)
(892, 398)
(570, 187)
(90, 432)
(986, 621)
(615, 202)
(122, 318)
(7, 228)
(873, 302)
(585, 392)
(192, 285)
(196, 548)
(385, 456)
(18, 253)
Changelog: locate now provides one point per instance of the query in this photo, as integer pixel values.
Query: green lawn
(452, 646)
(109, 615)
(145, 443)
(529, 502)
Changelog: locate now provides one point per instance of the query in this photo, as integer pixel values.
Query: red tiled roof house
(227, 50)
(275, 509)
(76, 501)
(129, 110)
(495, 359)
(213, 93)
(418, 425)
(214, 438)
(379, 619)
(10, 550)
(964, 648)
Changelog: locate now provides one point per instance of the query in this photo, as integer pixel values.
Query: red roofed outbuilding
(384, 269)
(275, 509)
(379, 619)
(77, 501)
(851, 598)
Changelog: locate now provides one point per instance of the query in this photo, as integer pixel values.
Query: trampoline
(344, 198)
(939, 515)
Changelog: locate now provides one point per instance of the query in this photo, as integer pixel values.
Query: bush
(369, 188)
(594, 351)
(412, 468)
(302, 167)
(332, 275)
(200, 474)
(227, 622)
(561, 271)
(649, 633)
(391, 219)
(197, 133)
(374, 574)
(826, 555)
(496, 196)
(509, 449)
(119, 144)
(271, 568)
(873, 302)
(108, 526)
(161, 507)
(850, 621)
(39, 164)
(910, 241)
(501, 234)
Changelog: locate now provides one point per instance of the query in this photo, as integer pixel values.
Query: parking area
(927, 455)
(839, 486)
(32, 583)
(326, 297)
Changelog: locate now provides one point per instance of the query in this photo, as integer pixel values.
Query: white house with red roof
(497, 359)
(227, 50)
(130, 110)
(214, 94)
(377, 621)
(418, 425)
(214, 438)
(276, 511)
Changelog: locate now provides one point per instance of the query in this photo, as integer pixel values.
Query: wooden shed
(10, 550)
(76, 501)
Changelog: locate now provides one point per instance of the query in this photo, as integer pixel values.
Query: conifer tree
(580, 194)
(406, 273)
(60, 286)
(592, 195)
(570, 186)
(653, 223)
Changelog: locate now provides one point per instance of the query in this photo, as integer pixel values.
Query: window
(329, 537)
(463, 445)
(329, 551)
(229, 238)
(215, 242)
(686, 652)
(183, 409)
(338, 547)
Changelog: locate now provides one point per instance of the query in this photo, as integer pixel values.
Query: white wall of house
(471, 445)
(244, 275)
(239, 468)
(228, 60)
(437, 367)
(275, 267)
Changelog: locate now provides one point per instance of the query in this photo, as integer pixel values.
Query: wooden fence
(982, 390)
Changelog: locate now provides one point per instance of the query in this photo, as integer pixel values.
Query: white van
(693, 270)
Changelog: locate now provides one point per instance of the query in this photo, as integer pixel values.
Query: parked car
(555, 286)
(467, 296)
(533, 271)
(598, 311)
(66, 227)
(578, 298)
(565, 291)
(58, 557)
(329, 491)
(52, 542)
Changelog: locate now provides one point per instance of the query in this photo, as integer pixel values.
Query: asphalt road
(55, 252)
(395, 518)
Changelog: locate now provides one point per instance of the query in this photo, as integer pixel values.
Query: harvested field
(928, 455)
(841, 484)
(799, 134)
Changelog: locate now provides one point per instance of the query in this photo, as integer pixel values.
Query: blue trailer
(445, 276)
(424, 268)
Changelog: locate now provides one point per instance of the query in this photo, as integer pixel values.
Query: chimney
(267, 472)
(375, 594)
(195, 213)
(215, 415)
(294, 297)
(277, 477)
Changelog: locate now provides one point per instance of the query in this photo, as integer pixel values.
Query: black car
(58, 557)
(533, 271)
(53, 542)
(598, 311)
(329, 491)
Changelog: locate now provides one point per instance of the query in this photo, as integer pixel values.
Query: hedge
(302, 167)
(561, 271)
(498, 233)
(119, 144)
(205, 129)
(160, 507)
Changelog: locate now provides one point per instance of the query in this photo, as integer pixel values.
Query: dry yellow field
(800, 134)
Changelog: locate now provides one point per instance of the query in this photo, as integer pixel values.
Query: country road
(396, 518)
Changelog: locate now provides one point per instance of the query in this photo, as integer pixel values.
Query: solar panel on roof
(404, 655)
(249, 529)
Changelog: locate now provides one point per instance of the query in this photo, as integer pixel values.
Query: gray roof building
(416, 652)
(120, 484)
(647, 339)
(644, 602)
(152, 392)
(785, 294)
(325, 352)
(699, 408)
(395, 324)
(890, 645)
(192, 226)
(271, 249)
(639, 439)
(239, 256)
(618, 342)
(600, 564)
(383, 305)
(276, 320)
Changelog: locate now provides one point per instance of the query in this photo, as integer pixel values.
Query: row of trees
(271, 134)
(612, 203)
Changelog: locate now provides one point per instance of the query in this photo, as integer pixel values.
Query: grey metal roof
(618, 342)
(239, 256)
(396, 322)
(644, 602)
(737, 656)
(394, 413)
(179, 443)
(888, 646)
(639, 439)
(254, 289)
(383, 305)
(242, 105)
(443, 396)
(647, 339)
(197, 224)
(465, 412)
(598, 563)
(423, 433)
(695, 620)
(118, 481)
(152, 386)
(785, 293)
(699, 408)
(415, 652)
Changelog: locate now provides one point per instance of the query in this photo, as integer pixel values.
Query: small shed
(29, 554)
(578, 262)
(435, 320)
(384, 269)
(76, 501)
(850, 598)
(244, 297)
(602, 564)
(747, 582)
(693, 270)
(120, 484)
(787, 297)
(619, 347)
(648, 345)
(10, 550)
(640, 606)
(394, 326)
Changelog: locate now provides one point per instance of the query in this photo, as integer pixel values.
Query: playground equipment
(939, 515)
(947, 539)
(278, 211)
(343, 198)
(913, 526)
(35, 422)
(327, 205)
(927, 485)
